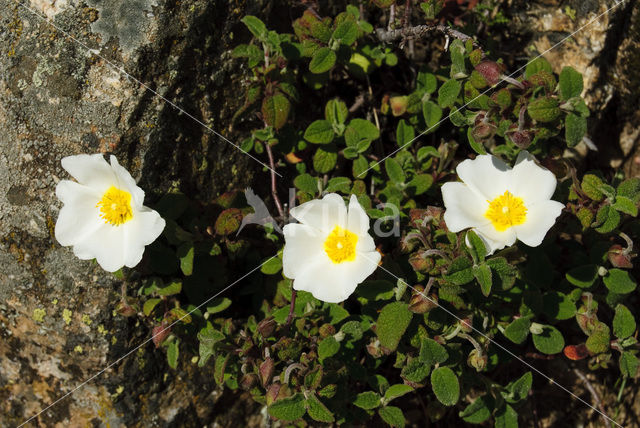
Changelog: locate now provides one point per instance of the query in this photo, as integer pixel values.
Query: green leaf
(460, 271)
(306, 183)
(518, 330)
(208, 336)
(336, 313)
(419, 184)
(218, 305)
(365, 130)
(346, 33)
(149, 305)
(317, 410)
(448, 93)
(518, 390)
(583, 276)
(328, 347)
(570, 83)
(173, 288)
(477, 248)
(544, 109)
(324, 160)
(275, 110)
(288, 409)
(394, 170)
(367, 400)
(476, 412)
(172, 354)
(360, 166)
(322, 60)
(624, 324)
(185, 253)
(393, 416)
(339, 184)
(219, 367)
(630, 188)
(506, 273)
(427, 81)
(427, 151)
(392, 322)
(256, 26)
(335, 111)
(549, 341)
(445, 386)
(537, 65)
(506, 417)
(319, 132)
(626, 205)
(482, 273)
(272, 266)
(415, 371)
(629, 364)
(432, 114)
(404, 133)
(457, 52)
(558, 306)
(608, 219)
(432, 353)
(575, 129)
(619, 281)
(477, 147)
(598, 341)
(591, 185)
(396, 391)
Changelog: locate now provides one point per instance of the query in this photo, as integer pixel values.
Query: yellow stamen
(505, 211)
(115, 206)
(340, 245)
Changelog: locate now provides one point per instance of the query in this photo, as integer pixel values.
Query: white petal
(358, 220)
(323, 214)
(531, 182)
(487, 174)
(365, 244)
(497, 240)
(79, 215)
(303, 244)
(125, 181)
(540, 218)
(144, 228)
(90, 170)
(464, 207)
(334, 283)
(105, 245)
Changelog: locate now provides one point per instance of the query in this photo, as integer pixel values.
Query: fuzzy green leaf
(608, 219)
(477, 248)
(598, 341)
(591, 185)
(629, 364)
(149, 305)
(392, 322)
(626, 205)
(317, 410)
(288, 409)
(275, 110)
(272, 266)
(339, 184)
(322, 60)
(306, 183)
(571, 84)
(575, 129)
(506, 418)
(396, 391)
(328, 347)
(558, 306)
(460, 271)
(445, 386)
(319, 132)
(325, 159)
(549, 341)
(256, 26)
(544, 109)
(630, 188)
(186, 253)
(393, 416)
(394, 170)
(364, 129)
(367, 400)
(173, 352)
(583, 276)
(419, 184)
(404, 133)
(346, 33)
(432, 353)
(519, 389)
(482, 273)
(476, 412)
(619, 281)
(624, 324)
(518, 330)
(448, 93)
(335, 111)
(432, 114)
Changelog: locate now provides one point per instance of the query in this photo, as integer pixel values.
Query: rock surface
(60, 96)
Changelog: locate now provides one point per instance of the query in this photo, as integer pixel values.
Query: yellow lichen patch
(66, 316)
(102, 330)
(54, 302)
(506, 211)
(340, 245)
(38, 314)
(78, 349)
(86, 319)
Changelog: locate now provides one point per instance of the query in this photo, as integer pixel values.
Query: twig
(292, 306)
(418, 31)
(274, 192)
(594, 394)
(357, 104)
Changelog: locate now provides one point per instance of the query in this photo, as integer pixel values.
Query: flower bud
(477, 360)
(398, 105)
(327, 330)
(419, 263)
(491, 71)
(466, 324)
(125, 309)
(373, 348)
(419, 304)
(482, 131)
(248, 381)
(272, 393)
(521, 139)
(618, 258)
(266, 371)
(266, 327)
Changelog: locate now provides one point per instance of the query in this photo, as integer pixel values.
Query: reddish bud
(272, 393)
(398, 105)
(466, 324)
(373, 348)
(266, 371)
(419, 304)
(482, 131)
(126, 309)
(159, 334)
(491, 71)
(419, 263)
(248, 381)
(576, 352)
(327, 330)
(266, 327)
(521, 139)
(618, 258)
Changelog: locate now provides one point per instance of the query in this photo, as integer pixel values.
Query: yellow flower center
(340, 245)
(115, 206)
(505, 211)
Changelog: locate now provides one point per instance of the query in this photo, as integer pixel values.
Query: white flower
(103, 216)
(502, 204)
(330, 252)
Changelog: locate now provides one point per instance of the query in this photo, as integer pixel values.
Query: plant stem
(594, 394)
(292, 306)
(274, 192)
(421, 31)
